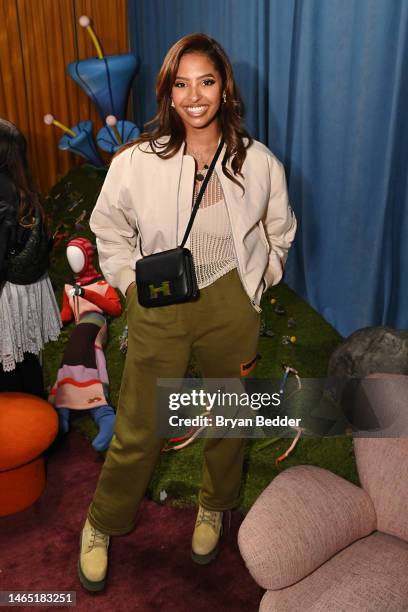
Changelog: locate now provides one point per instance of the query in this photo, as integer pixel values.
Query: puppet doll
(82, 380)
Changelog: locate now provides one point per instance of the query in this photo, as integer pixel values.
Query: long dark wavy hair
(13, 162)
(168, 123)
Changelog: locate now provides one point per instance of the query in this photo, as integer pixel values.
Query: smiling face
(197, 92)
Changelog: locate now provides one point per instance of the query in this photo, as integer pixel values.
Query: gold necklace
(199, 176)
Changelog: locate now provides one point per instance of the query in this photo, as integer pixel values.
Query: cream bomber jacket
(147, 200)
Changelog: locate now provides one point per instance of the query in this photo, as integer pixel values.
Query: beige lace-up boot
(207, 535)
(93, 558)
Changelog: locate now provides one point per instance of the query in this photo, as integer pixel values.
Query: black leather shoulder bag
(169, 277)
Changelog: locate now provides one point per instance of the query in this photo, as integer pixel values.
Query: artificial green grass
(178, 474)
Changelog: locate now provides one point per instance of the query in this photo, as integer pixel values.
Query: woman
(29, 314)
(239, 241)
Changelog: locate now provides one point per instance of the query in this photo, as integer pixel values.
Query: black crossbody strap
(201, 192)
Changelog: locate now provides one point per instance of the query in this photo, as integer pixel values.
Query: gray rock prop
(371, 350)
(373, 405)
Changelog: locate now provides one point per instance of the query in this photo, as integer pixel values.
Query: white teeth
(196, 109)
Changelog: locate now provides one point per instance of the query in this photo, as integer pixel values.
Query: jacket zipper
(254, 304)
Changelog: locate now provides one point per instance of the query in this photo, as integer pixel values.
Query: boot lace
(97, 539)
(211, 517)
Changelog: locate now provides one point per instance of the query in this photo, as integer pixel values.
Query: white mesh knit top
(211, 240)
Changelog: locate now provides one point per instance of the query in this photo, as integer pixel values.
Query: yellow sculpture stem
(95, 41)
(65, 128)
(116, 132)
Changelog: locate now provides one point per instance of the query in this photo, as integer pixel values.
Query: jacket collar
(176, 161)
(163, 140)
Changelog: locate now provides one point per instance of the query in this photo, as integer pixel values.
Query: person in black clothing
(29, 315)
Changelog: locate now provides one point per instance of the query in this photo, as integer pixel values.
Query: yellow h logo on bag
(164, 288)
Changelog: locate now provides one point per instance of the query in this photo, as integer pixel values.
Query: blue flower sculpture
(108, 141)
(106, 81)
(82, 144)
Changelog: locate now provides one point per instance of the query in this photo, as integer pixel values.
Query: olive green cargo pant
(222, 328)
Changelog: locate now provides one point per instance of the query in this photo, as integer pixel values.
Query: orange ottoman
(28, 425)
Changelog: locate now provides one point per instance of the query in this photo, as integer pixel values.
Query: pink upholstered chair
(318, 543)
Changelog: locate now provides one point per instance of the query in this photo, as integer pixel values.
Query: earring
(224, 97)
(172, 104)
